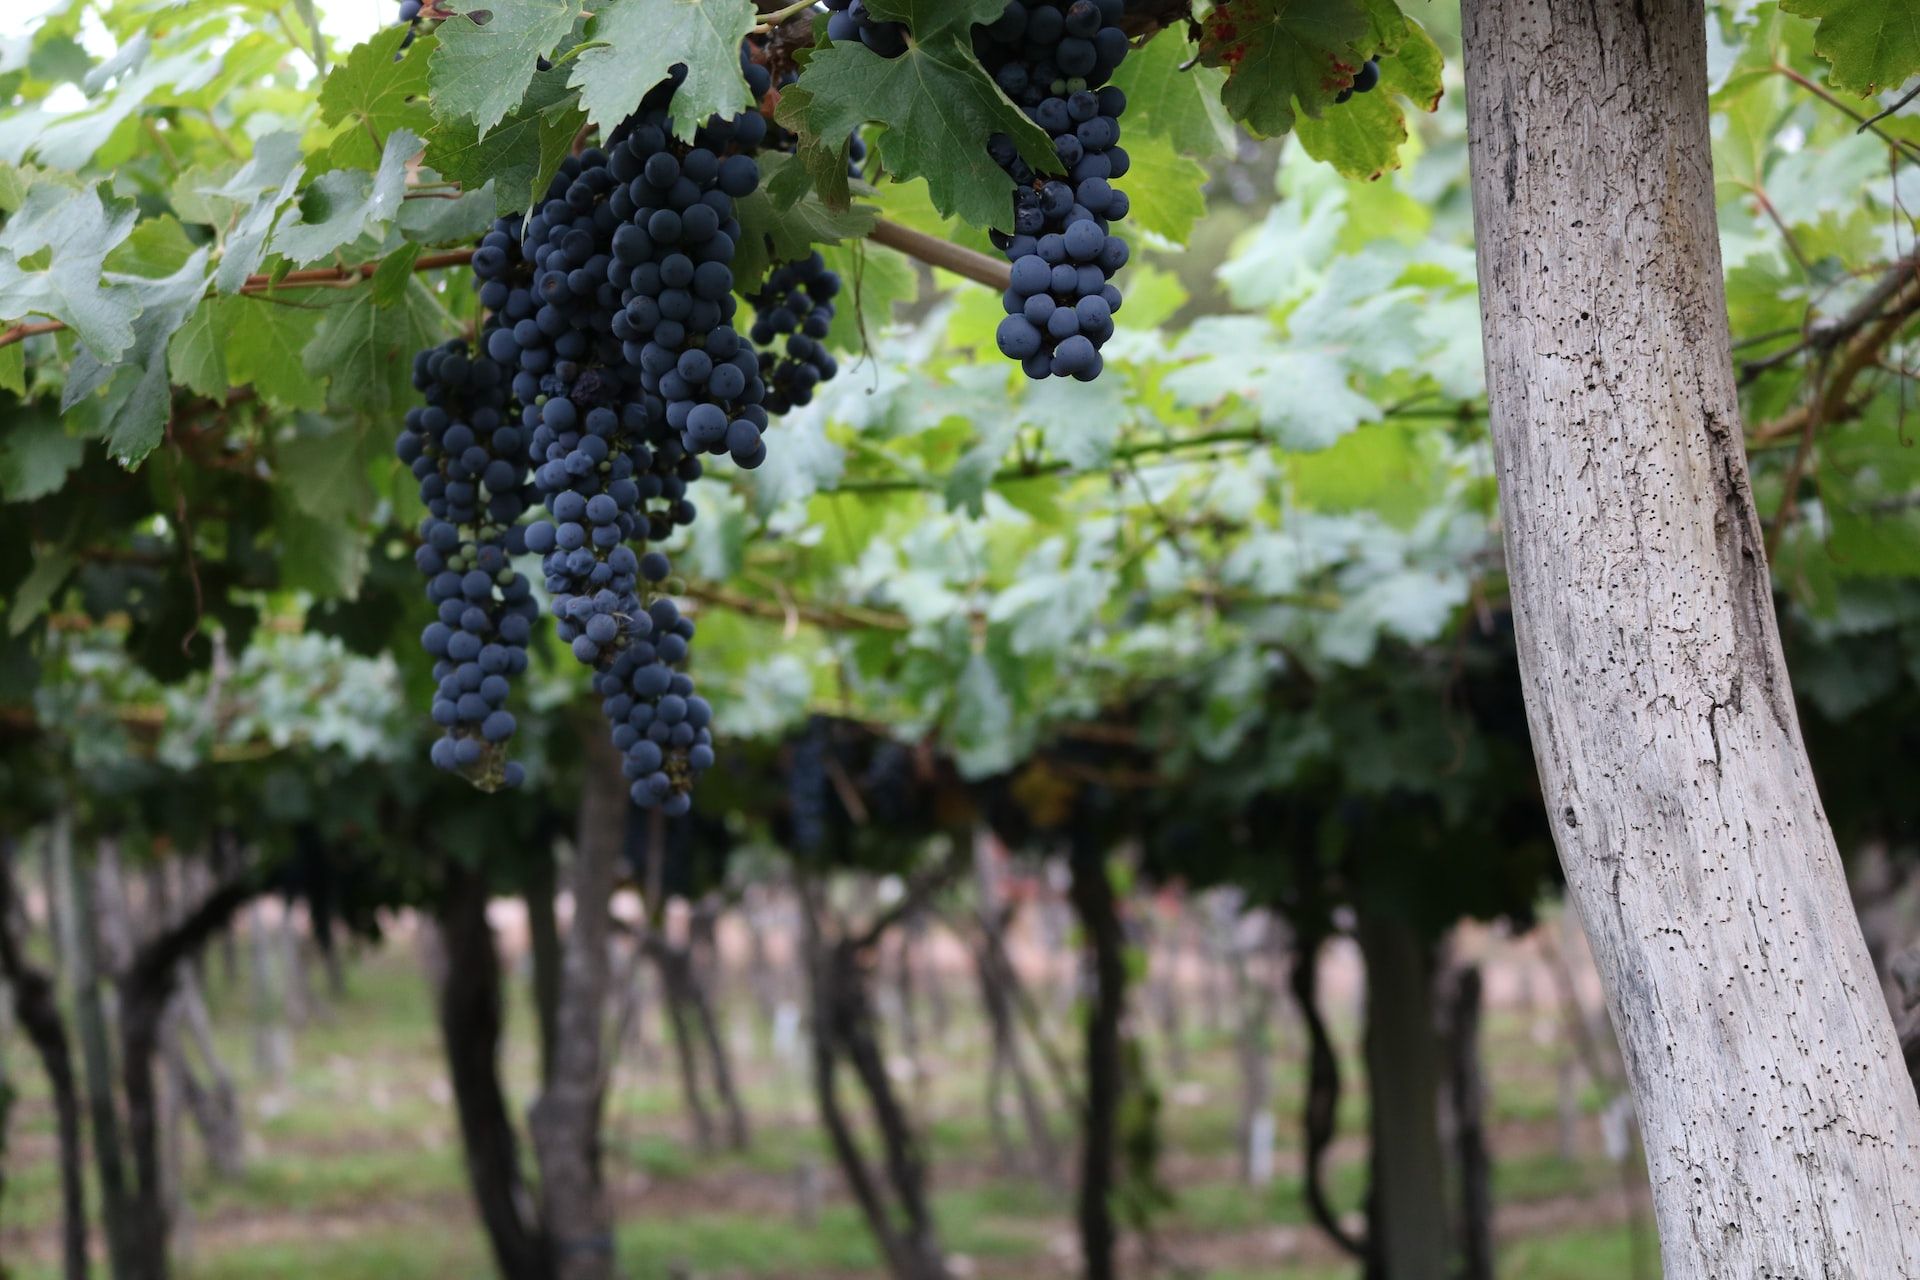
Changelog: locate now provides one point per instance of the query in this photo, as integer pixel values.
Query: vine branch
(960, 260)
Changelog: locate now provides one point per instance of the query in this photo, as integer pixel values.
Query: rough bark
(703, 940)
(215, 1104)
(38, 1009)
(146, 990)
(1467, 1094)
(470, 1009)
(1782, 1136)
(565, 1123)
(1254, 1049)
(1407, 1216)
(1321, 1104)
(1100, 919)
(675, 967)
(543, 944)
(82, 967)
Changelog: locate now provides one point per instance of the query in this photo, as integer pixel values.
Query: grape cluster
(1364, 80)
(471, 464)
(585, 423)
(849, 20)
(676, 245)
(1054, 60)
(660, 726)
(795, 302)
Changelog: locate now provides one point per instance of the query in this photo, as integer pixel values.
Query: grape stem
(768, 21)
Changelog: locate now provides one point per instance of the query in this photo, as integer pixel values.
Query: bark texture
(1782, 1136)
(565, 1124)
(471, 1022)
(1407, 1229)
(38, 1008)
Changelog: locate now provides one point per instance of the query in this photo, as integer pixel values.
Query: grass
(354, 1165)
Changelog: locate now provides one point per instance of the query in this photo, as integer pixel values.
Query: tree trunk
(1407, 1234)
(1254, 1045)
(1782, 1135)
(565, 1123)
(543, 939)
(843, 1027)
(215, 1106)
(81, 934)
(1467, 1090)
(676, 983)
(1100, 919)
(272, 1040)
(146, 989)
(470, 1028)
(39, 1012)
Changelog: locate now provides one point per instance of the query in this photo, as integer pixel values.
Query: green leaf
(519, 156)
(51, 568)
(1871, 44)
(197, 353)
(35, 456)
(264, 184)
(13, 369)
(346, 204)
(67, 234)
(1164, 189)
(252, 340)
(265, 341)
(323, 556)
(391, 276)
(459, 221)
(937, 108)
(367, 349)
(480, 70)
(139, 394)
(1361, 137)
(928, 18)
(1170, 96)
(872, 282)
(330, 463)
(635, 43)
(380, 90)
(770, 235)
(1284, 56)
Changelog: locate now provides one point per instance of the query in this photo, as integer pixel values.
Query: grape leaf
(928, 18)
(330, 461)
(873, 282)
(480, 69)
(35, 456)
(265, 183)
(68, 234)
(1871, 44)
(936, 107)
(251, 340)
(367, 349)
(1361, 137)
(458, 221)
(325, 557)
(1164, 189)
(133, 413)
(1284, 56)
(51, 567)
(1169, 96)
(770, 234)
(346, 204)
(521, 155)
(378, 90)
(633, 44)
